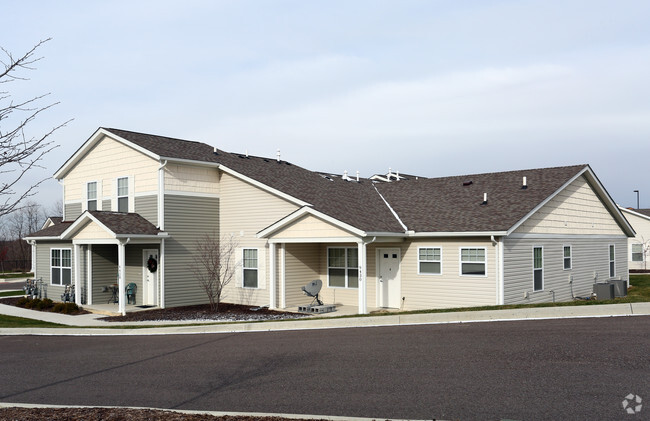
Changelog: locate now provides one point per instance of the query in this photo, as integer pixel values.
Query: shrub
(58, 308)
(33, 303)
(70, 308)
(44, 304)
(22, 302)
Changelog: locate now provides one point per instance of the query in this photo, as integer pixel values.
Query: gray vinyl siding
(44, 271)
(104, 271)
(590, 263)
(187, 219)
(72, 211)
(147, 207)
(106, 204)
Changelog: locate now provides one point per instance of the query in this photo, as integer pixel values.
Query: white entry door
(389, 280)
(149, 278)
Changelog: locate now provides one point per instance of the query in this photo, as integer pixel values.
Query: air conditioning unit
(604, 291)
(620, 287)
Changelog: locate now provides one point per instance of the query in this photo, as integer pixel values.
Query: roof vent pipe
(246, 153)
(345, 176)
(215, 150)
(397, 175)
(484, 199)
(357, 176)
(278, 155)
(524, 185)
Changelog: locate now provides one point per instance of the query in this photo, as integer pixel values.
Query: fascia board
(609, 203)
(82, 220)
(57, 238)
(263, 186)
(190, 161)
(637, 214)
(92, 140)
(309, 211)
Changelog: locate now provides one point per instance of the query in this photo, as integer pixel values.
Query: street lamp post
(637, 198)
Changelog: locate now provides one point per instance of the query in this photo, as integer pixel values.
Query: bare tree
(20, 152)
(56, 209)
(214, 266)
(24, 221)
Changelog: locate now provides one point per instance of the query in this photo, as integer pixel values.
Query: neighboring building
(414, 243)
(639, 245)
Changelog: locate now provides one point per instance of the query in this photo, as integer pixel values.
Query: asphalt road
(11, 285)
(577, 369)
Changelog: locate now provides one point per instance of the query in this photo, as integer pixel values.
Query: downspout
(161, 196)
(363, 279)
(161, 272)
(500, 286)
(121, 263)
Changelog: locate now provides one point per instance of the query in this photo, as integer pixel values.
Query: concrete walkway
(89, 324)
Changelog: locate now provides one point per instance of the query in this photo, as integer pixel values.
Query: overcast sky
(433, 88)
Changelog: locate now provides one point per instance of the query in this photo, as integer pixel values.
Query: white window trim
(61, 267)
(84, 203)
(610, 261)
(129, 196)
(430, 261)
(632, 253)
(570, 256)
(347, 281)
(257, 268)
(460, 261)
(540, 269)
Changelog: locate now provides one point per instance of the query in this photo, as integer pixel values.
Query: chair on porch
(130, 292)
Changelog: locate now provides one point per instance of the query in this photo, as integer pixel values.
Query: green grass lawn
(16, 275)
(11, 321)
(11, 293)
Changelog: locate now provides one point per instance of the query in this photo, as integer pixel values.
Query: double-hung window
(429, 261)
(472, 261)
(250, 268)
(637, 252)
(538, 268)
(61, 266)
(123, 194)
(91, 195)
(567, 257)
(343, 267)
(612, 261)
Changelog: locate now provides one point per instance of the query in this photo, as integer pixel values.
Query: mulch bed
(13, 301)
(115, 414)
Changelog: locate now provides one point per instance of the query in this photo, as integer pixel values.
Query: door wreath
(152, 264)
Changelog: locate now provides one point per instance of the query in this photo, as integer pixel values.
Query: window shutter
(114, 196)
(84, 197)
(100, 195)
(131, 193)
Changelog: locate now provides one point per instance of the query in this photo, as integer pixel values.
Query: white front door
(389, 280)
(149, 278)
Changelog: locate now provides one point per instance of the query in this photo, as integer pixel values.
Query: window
(343, 267)
(429, 261)
(472, 261)
(567, 257)
(538, 268)
(91, 195)
(123, 194)
(250, 268)
(61, 266)
(637, 252)
(612, 262)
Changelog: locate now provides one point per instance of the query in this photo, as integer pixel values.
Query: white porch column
(272, 282)
(77, 274)
(161, 272)
(89, 267)
(121, 276)
(363, 305)
(33, 268)
(283, 290)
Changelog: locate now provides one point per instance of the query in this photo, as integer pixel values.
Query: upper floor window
(343, 267)
(637, 252)
(567, 257)
(429, 261)
(249, 266)
(91, 195)
(123, 194)
(612, 261)
(472, 261)
(61, 266)
(538, 268)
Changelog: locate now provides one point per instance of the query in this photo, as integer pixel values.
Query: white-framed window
(637, 252)
(538, 268)
(612, 261)
(61, 266)
(343, 267)
(91, 195)
(250, 270)
(123, 194)
(429, 261)
(473, 261)
(566, 257)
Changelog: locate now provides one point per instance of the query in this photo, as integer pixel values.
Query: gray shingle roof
(52, 231)
(125, 223)
(423, 205)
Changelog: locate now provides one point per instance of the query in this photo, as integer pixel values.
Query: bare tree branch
(214, 266)
(20, 152)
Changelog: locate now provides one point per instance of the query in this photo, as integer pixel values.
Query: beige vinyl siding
(104, 271)
(449, 289)
(106, 204)
(91, 230)
(575, 210)
(187, 219)
(72, 211)
(147, 207)
(310, 227)
(302, 265)
(106, 161)
(43, 255)
(191, 178)
(642, 227)
(589, 262)
(244, 211)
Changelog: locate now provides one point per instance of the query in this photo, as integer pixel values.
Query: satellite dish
(312, 289)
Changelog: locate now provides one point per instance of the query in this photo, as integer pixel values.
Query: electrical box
(604, 291)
